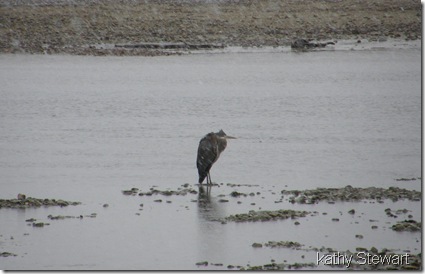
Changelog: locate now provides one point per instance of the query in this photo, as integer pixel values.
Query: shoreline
(84, 28)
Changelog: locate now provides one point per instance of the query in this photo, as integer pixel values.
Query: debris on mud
(266, 215)
(303, 44)
(350, 193)
(27, 202)
(407, 225)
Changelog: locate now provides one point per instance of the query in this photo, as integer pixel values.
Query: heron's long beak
(230, 137)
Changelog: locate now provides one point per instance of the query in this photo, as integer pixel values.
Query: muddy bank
(350, 193)
(95, 27)
(26, 202)
(266, 215)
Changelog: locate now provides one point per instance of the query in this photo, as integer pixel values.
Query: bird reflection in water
(209, 208)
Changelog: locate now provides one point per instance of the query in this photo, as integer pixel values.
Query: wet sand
(95, 27)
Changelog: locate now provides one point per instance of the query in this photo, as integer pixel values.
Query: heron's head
(224, 135)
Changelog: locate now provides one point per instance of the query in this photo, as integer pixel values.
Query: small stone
(158, 201)
(223, 200)
(335, 219)
(105, 205)
(374, 227)
(203, 263)
(352, 211)
(297, 223)
(361, 249)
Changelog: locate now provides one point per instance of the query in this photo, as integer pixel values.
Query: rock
(203, 263)
(361, 249)
(352, 211)
(236, 194)
(257, 245)
(407, 225)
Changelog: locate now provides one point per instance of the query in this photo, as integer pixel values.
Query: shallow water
(85, 128)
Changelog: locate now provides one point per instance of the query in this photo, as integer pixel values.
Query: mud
(95, 27)
(28, 202)
(350, 193)
(266, 215)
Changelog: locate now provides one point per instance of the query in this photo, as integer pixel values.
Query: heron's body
(209, 150)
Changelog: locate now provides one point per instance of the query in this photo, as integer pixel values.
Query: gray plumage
(209, 150)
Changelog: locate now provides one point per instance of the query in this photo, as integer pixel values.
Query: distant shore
(95, 27)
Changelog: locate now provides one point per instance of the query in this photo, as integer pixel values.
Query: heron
(210, 148)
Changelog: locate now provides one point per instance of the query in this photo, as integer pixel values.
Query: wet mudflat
(327, 160)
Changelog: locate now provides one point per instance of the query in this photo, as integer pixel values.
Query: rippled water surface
(85, 128)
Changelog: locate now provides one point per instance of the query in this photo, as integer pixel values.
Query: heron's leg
(209, 178)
